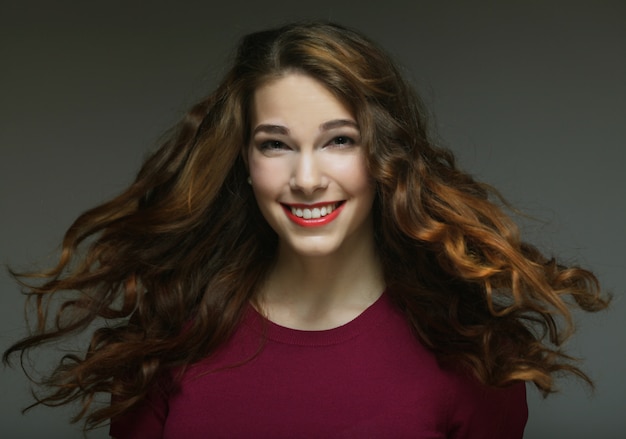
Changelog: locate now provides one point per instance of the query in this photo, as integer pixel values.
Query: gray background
(530, 95)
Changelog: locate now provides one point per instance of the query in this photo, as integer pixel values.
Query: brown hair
(169, 265)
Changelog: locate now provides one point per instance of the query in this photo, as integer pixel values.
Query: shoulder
(148, 419)
(479, 411)
(468, 408)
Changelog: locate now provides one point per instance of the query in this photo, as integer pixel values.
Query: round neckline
(369, 318)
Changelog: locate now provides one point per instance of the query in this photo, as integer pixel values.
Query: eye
(342, 141)
(272, 145)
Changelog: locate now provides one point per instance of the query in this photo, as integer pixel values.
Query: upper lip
(311, 206)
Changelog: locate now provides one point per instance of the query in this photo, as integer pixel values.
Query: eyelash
(347, 141)
(271, 144)
(340, 141)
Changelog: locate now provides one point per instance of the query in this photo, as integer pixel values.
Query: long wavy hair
(167, 268)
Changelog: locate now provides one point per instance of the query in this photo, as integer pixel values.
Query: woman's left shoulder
(476, 410)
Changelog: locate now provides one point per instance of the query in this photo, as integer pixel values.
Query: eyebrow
(338, 123)
(326, 126)
(271, 129)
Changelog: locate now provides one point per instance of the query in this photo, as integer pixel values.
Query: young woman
(299, 260)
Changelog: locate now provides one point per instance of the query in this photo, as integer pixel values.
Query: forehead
(296, 98)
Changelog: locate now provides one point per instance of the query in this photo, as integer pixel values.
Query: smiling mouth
(314, 215)
(313, 212)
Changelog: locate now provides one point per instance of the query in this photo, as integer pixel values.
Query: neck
(320, 292)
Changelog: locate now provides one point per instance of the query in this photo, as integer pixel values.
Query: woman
(299, 260)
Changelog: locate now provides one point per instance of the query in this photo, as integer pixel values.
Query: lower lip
(314, 222)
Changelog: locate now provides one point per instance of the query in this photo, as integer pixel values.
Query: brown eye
(272, 144)
(342, 141)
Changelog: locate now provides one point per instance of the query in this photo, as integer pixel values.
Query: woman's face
(308, 169)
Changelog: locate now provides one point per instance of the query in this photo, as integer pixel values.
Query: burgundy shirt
(369, 378)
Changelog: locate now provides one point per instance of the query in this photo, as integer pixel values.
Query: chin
(312, 249)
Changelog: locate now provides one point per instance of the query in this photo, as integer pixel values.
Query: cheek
(267, 176)
(352, 173)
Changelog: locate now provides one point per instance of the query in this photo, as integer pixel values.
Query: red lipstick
(313, 222)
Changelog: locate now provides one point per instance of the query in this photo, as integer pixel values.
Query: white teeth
(313, 213)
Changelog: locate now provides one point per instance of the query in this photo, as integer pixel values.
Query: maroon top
(369, 378)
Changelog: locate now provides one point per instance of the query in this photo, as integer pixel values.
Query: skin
(305, 153)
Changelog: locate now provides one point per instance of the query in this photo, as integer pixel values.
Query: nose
(308, 176)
